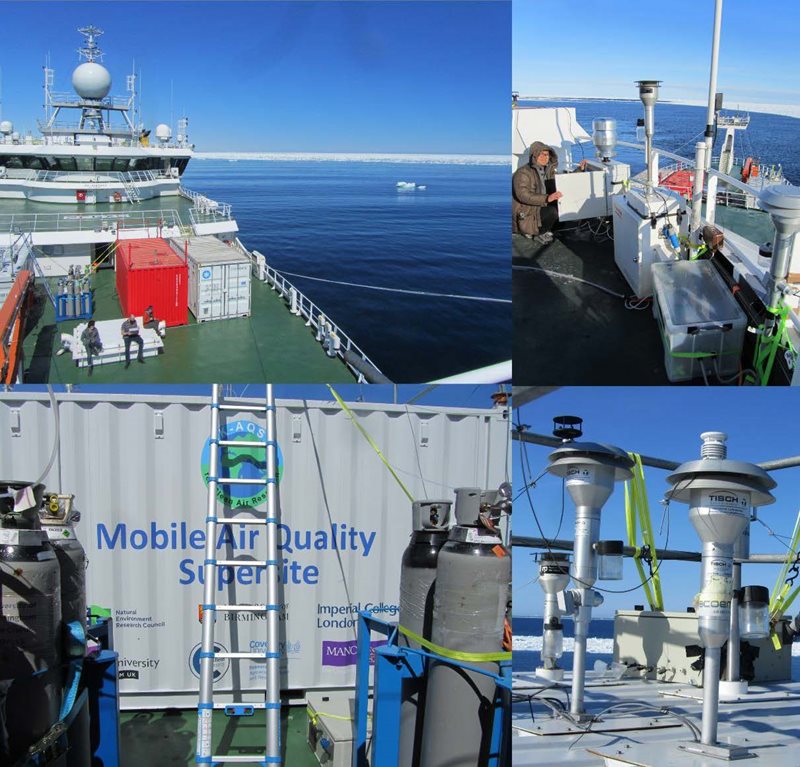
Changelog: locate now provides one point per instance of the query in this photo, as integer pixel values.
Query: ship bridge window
(33, 162)
(103, 163)
(85, 163)
(120, 164)
(67, 163)
(182, 163)
(10, 161)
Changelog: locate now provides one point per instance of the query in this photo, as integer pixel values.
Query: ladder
(208, 654)
(130, 189)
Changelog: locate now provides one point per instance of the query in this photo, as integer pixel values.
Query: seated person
(130, 333)
(90, 338)
(534, 211)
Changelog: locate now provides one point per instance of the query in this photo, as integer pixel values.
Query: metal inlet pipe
(710, 695)
(712, 83)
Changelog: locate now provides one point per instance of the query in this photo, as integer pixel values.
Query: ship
(96, 223)
(683, 274)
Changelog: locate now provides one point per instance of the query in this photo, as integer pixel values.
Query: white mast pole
(711, 199)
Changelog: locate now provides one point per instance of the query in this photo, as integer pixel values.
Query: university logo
(221, 665)
(241, 463)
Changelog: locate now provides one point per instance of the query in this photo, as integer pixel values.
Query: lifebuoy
(117, 197)
(748, 163)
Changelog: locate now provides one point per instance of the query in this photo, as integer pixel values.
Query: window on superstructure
(67, 163)
(85, 163)
(10, 161)
(103, 163)
(120, 164)
(33, 162)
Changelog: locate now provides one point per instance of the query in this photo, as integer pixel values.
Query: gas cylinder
(473, 577)
(430, 523)
(30, 624)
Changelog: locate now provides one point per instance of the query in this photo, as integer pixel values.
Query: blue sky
(461, 395)
(662, 422)
(586, 49)
(285, 76)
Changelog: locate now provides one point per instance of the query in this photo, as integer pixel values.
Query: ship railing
(206, 210)
(734, 192)
(151, 220)
(70, 100)
(333, 339)
(99, 176)
(19, 174)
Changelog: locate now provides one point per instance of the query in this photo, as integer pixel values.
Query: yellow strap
(637, 507)
(466, 657)
(314, 716)
(369, 439)
(777, 605)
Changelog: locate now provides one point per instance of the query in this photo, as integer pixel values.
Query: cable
(551, 273)
(56, 440)
(400, 290)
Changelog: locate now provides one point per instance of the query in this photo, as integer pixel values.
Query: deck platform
(271, 344)
(769, 731)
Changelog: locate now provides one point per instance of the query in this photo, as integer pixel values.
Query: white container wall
(219, 278)
(136, 467)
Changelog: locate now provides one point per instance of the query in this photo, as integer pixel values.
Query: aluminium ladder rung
(240, 481)
(240, 443)
(242, 655)
(245, 408)
(245, 563)
(241, 521)
(239, 759)
(241, 608)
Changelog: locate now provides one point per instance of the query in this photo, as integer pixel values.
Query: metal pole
(732, 671)
(547, 441)
(697, 191)
(710, 695)
(205, 703)
(712, 83)
(273, 697)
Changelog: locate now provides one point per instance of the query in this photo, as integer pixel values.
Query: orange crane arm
(12, 318)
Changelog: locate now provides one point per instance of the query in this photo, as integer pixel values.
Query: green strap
(767, 346)
(369, 439)
(466, 657)
(780, 599)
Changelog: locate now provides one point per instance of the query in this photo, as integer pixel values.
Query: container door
(239, 290)
(209, 292)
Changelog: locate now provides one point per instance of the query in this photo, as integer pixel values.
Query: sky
(665, 423)
(291, 76)
(449, 395)
(586, 49)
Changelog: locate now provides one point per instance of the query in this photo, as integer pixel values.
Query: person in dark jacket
(534, 212)
(90, 338)
(130, 333)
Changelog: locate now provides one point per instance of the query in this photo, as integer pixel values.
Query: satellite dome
(163, 132)
(91, 81)
(6, 127)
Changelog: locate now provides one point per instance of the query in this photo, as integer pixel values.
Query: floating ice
(410, 185)
(422, 159)
(593, 644)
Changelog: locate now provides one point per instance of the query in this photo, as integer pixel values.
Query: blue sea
(600, 645)
(771, 139)
(347, 221)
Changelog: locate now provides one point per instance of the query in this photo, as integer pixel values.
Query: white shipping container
(219, 278)
(138, 464)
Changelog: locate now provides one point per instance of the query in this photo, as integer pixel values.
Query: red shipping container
(151, 273)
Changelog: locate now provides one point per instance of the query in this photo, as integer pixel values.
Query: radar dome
(163, 132)
(91, 81)
(6, 127)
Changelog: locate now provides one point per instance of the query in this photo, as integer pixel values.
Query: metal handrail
(311, 313)
(101, 176)
(53, 222)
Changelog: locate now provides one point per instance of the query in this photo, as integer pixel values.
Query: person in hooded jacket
(534, 212)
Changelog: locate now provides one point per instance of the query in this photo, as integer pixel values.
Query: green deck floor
(270, 345)
(167, 738)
